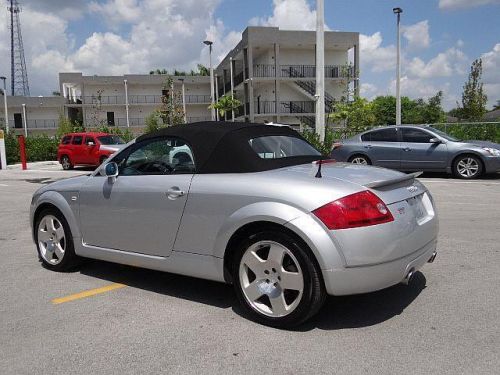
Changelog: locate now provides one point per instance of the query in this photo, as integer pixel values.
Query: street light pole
(25, 123)
(397, 12)
(183, 100)
(320, 69)
(126, 103)
(6, 113)
(209, 44)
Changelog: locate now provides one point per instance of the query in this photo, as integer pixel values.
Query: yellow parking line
(87, 293)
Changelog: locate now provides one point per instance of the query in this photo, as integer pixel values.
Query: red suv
(87, 148)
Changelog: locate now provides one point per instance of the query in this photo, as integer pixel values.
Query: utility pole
(320, 69)
(398, 12)
(209, 44)
(126, 103)
(6, 113)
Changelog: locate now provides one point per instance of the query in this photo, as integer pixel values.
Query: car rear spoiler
(392, 181)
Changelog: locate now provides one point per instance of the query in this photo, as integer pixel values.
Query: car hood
(68, 184)
(483, 144)
(112, 148)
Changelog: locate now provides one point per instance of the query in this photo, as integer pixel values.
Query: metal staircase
(294, 108)
(309, 88)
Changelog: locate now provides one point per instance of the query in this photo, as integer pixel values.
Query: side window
(416, 135)
(89, 139)
(382, 135)
(161, 156)
(66, 140)
(77, 140)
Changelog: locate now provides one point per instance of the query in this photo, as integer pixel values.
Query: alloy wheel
(66, 164)
(51, 239)
(271, 279)
(359, 160)
(468, 167)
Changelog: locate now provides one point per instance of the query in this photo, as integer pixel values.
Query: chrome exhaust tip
(433, 256)
(409, 276)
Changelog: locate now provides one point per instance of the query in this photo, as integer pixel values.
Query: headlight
(492, 151)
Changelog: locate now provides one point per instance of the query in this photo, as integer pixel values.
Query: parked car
(246, 204)
(87, 148)
(420, 148)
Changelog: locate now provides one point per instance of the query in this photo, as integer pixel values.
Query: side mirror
(111, 171)
(91, 144)
(435, 140)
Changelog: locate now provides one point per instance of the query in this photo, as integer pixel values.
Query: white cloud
(160, 34)
(462, 4)
(375, 57)
(491, 73)
(117, 11)
(290, 15)
(368, 90)
(417, 35)
(445, 64)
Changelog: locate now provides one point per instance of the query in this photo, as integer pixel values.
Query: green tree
(64, 126)
(171, 111)
(153, 122)
(473, 97)
(357, 114)
(225, 105)
(203, 70)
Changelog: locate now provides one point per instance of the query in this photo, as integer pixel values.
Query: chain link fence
(484, 131)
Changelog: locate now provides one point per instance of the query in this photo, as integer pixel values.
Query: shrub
(471, 131)
(38, 148)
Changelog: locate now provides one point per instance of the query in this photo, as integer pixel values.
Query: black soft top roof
(223, 147)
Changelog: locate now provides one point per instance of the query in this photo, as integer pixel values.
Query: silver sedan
(251, 205)
(420, 148)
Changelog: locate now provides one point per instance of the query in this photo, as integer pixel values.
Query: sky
(440, 38)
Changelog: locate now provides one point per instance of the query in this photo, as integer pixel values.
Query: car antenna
(320, 162)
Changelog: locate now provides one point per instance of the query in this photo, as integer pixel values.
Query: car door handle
(406, 149)
(368, 146)
(175, 192)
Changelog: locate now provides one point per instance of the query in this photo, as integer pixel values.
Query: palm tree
(225, 104)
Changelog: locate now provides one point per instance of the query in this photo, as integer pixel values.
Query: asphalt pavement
(138, 321)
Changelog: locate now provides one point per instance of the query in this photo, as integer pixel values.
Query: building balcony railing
(269, 107)
(134, 122)
(99, 100)
(198, 99)
(302, 71)
(238, 78)
(41, 124)
(143, 99)
(198, 118)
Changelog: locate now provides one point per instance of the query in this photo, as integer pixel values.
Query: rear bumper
(364, 279)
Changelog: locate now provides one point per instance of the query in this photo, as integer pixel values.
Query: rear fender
(291, 218)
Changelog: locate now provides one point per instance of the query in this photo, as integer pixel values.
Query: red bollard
(22, 150)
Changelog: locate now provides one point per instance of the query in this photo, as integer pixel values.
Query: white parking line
(3, 185)
(460, 182)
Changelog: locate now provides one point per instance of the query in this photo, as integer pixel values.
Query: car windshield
(110, 140)
(444, 135)
(279, 146)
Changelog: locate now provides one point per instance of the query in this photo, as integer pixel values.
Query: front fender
(64, 203)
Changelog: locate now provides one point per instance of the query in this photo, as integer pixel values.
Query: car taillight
(356, 210)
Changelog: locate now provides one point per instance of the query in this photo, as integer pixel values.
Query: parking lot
(139, 321)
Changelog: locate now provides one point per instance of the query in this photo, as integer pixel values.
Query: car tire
(66, 162)
(278, 295)
(467, 167)
(360, 159)
(54, 241)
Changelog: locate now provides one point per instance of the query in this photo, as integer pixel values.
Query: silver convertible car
(420, 148)
(246, 204)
